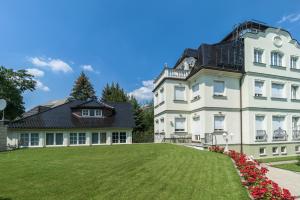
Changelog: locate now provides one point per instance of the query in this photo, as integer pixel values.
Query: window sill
(278, 98)
(179, 101)
(278, 67)
(262, 155)
(260, 64)
(295, 100)
(275, 154)
(217, 96)
(261, 97)
(295, 69)
(297, 152)
(284, 153)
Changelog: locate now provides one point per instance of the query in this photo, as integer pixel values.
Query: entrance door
(195, 128)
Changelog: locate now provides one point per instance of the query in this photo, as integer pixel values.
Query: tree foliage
(13, 85)
(83, 89)
(114, 93)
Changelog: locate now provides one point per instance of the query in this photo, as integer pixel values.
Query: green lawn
(278, 159)
(291, 166)
(148, 171)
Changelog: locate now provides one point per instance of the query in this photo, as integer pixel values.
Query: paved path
(282, 162)
(286, 179)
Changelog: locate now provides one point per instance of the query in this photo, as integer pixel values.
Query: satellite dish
(2, 104)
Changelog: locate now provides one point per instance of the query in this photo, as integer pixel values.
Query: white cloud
(35, 72)
(41, 86)
(290, 18)
(55, 65)
(145, 92)
(88, 68)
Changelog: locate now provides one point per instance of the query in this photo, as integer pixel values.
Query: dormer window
(91, 113)
(85, 112)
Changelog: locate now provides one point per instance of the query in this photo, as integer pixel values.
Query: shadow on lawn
(298, 163)
(4, 198)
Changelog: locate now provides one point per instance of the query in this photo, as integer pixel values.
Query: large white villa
(243, 90)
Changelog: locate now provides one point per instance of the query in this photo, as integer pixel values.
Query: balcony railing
(173, 73)
(296, 134)
(280, 135)
(261, 136)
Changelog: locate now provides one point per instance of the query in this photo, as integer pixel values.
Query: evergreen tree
(114, 93)
(12, 85)
(83, 89)
(138, 116)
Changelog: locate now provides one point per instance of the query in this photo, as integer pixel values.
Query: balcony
(280, 135)
(261, 136)
(296, 134)
(172, 73)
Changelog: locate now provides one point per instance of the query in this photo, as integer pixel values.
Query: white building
(244, 89)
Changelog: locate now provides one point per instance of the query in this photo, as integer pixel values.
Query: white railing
(173, 73)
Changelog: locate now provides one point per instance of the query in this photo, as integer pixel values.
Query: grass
(291, 166)
(278, 159)
(153, 171)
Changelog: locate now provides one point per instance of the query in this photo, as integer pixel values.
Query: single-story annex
(74, 123)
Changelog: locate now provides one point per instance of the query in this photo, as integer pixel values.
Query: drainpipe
(241, 112)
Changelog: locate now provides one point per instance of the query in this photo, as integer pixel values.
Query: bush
(216, 149)
(143, 137)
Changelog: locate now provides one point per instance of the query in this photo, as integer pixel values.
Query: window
(283, 150)
(81, 138)
(34, 139)
(275, 150)
(156, 98)
(276, 59)
(262, 151)
(92, 112)
(293, 62)
(259, 122)
(157, 126)
(24, 139)
(277, 90)
(180, 124)
(73, 138)
(103, 138)
(162, 98)
(162, 125)
(85, 112)
(179, 93)
(95, 138)
(295, 123)
(278, 122)
(195, 90)
(219, 88)
(49, 138)
(294, 91)
(115, 137)
(59, 139)
(123, 137)
(219, 123)
(98, 113)
(258, 55)
(259, 88)
(297, 149)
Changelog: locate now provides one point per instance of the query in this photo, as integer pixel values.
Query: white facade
(251, 106)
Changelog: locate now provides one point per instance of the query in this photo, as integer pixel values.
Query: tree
(114, 93)
(83, 89)
(13, 85)
(138, 116)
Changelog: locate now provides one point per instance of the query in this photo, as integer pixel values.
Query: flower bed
(254, 177)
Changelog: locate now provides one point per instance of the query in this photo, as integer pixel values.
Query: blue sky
(122, 41)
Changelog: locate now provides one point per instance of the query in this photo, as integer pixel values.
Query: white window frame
(223, 122)
(184, 124)
(156, 126)
(297, 148)
(214, 88)
(162, 96)
(195, 94)
(297, 91)
(98, 113)
(263, 122)
(83, 114)
(276, 152)
(283, 95)
(156, 98)
(285, 150)
(162, 125)
(277, 58)
(184, 93)
(264, 151)
(30, 139)
(258, 55)
(283, 122)
(263, 93)
(294, 62)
